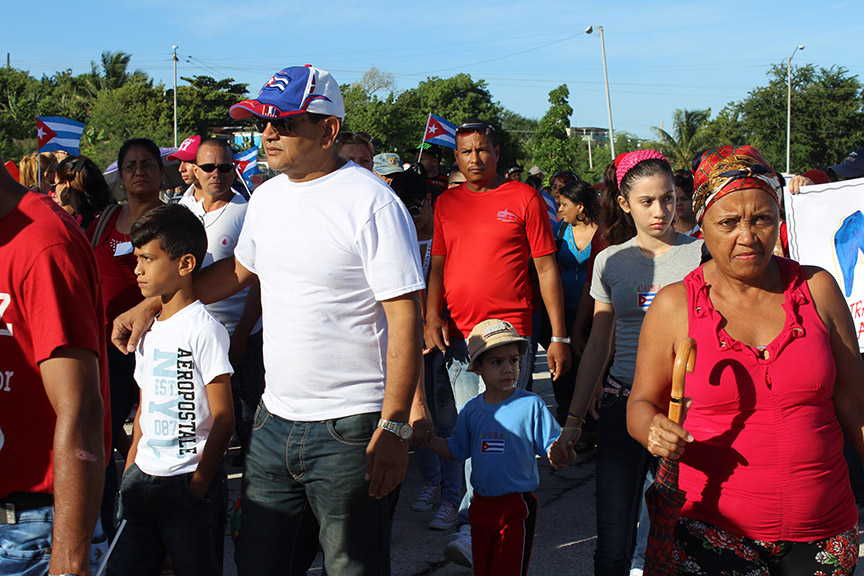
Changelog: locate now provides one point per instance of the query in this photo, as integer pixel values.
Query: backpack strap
(102, 224)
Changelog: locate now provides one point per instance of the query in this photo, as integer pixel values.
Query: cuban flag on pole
(58, 133)
(440, 131)
(247, 163)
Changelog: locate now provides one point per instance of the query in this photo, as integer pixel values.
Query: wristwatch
(401, 429)
(560, 339)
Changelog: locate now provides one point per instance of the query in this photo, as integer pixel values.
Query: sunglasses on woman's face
(223, 168)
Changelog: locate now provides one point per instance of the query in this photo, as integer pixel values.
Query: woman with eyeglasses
(81, 190)
(141, 172)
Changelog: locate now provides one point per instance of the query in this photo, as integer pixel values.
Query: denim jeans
(292, 466)
(247, 385)
(638, 561)
(439, 396)
(467, 385)
(164, 516)
(25, 547)
(621, 466)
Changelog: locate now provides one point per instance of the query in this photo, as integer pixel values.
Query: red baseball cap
(188, 150)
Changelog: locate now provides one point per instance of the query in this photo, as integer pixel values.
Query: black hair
(580, 192)
(177, 229)
(684, 179)
(619, 224)
(411, 186)
(535, 181)
(489, 131)
(145, 143)
(84, 177)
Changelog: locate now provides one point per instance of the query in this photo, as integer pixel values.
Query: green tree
(691, 135)
(111, 72)
(827, 117)
(203, 104)
(135, 110)
(552, 147)
(602, 155)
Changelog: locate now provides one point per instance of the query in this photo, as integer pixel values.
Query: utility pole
(175, 94)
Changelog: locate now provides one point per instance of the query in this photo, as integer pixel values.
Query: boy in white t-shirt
(172, 494)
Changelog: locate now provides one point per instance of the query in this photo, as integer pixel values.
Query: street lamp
(590, 30)
(789, 104)
(174, 47)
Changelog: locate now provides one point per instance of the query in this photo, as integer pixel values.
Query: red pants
(502, 533)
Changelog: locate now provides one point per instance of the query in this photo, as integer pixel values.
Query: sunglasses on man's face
(282, 126)
(223, 168)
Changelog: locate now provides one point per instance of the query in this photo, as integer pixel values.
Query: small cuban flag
(492, 446)
(57, 133)
(247, 163)
(440, 131)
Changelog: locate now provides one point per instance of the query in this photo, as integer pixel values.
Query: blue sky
(660, 56)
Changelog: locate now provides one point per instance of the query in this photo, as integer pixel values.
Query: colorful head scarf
(625, 162)
(728, 169)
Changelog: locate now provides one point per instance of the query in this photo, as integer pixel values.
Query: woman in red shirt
(777, 375)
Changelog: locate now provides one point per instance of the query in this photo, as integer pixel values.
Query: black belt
(21, 501)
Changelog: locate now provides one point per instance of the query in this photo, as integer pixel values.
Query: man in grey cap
(386, 165)
(335, 253)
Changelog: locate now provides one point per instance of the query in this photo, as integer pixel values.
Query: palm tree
(692, 135)
(111, 72)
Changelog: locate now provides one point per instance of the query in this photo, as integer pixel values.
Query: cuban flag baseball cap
(291, 91)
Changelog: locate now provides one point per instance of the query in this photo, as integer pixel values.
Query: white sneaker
(446, 517)
(426, 499)
(459, 549)
(636, 572)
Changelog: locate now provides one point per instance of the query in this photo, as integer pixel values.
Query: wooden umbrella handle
(685, 361)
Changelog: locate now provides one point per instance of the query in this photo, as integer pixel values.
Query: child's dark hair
(619, 224)
(178, 231)
(579, 192)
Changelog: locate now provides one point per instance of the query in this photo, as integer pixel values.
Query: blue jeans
(25, 547)
(293, 466)
(644, 522)
(164, 516)
(467, 385)
(439, 397)
(247, 385)
(621, 466)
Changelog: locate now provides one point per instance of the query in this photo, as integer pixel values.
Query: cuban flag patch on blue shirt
(492, 446)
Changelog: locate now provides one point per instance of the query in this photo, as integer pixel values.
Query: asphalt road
(566, 528)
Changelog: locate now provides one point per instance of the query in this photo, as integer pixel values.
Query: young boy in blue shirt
(501, 430)
(172, 493)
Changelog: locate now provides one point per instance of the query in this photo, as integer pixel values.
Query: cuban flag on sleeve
(247, 163)
(440, 131)
(58, 133)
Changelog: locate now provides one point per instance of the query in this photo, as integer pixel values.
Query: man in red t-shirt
(53, 387)
(488, 231)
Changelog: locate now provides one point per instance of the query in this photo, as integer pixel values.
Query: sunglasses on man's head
(474, 127)
(223, 168)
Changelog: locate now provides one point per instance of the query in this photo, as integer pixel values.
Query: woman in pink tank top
(778, 378)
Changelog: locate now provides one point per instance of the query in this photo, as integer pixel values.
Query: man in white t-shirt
(222, 212)
(335, 252)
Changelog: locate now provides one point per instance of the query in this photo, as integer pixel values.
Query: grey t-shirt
(629, 280)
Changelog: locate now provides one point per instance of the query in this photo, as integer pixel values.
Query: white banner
(826, 229)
